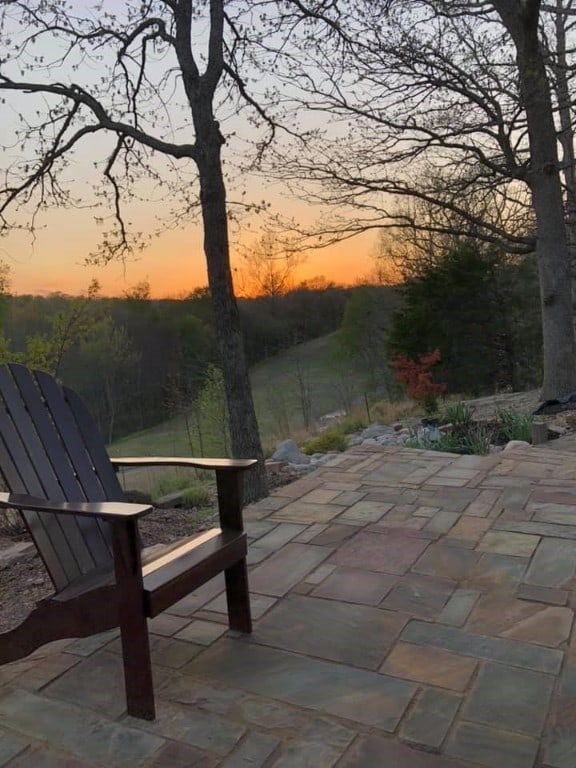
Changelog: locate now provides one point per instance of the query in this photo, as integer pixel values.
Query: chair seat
(174, 573)
(172, 570)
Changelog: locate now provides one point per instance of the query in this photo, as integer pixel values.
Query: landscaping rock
(289, 451)
(516, 444)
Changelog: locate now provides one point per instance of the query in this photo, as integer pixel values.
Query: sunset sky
(173, 263)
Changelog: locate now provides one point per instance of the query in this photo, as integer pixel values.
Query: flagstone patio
(412, 610)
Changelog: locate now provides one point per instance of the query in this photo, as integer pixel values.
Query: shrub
(330, 440)
(458, 413)
(416, 375)
(516, 425)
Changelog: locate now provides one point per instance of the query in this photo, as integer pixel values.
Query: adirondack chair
(65, 485)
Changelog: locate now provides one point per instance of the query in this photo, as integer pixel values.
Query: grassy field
(277, 385)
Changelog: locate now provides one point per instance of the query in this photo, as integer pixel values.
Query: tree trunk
(244, 433)
(521, 21)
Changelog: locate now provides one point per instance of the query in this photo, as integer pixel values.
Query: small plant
(197, 496)
(447, 443)
(516, 425)
(477, 441)
(416, 375)
(458, 413)
(330, 440)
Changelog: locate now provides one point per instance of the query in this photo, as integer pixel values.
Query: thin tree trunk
(521, 21)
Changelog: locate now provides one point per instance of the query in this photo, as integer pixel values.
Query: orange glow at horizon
(173, 264)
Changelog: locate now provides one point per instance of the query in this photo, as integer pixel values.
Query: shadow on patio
(413, 610)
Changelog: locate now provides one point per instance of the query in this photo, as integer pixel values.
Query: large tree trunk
(200, 90)
(521, 21)
(244, 433)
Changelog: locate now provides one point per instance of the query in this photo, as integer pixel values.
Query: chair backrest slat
(41, 477)
(48, 457)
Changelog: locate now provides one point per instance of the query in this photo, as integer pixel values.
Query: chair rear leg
(238, 597)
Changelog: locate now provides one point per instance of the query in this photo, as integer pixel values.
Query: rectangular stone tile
(381, 553)
(319, 744)
(259, 604)
(347, 498)
(11, 744)
(514, 498)
(286, 568)
(296, 489)
(356, 586)
(560, 740)
(561, 514)
(551, 626)
(492, 747)
(553, 564)
(166, 624)
(98, 682)
(258, 528)
(483, 504)
(320, 574)
(510, 698)
(280, 535)
(472, 528)
(196, 728)
(378, 752)
(512, 652)
(303, 512)
(447, 482)
(419, 596)
(86, 646)
(548, 595)
(45, 757)
(506, 543)
(538, 529)
(79, 731)
(430, 666)
(351, 634)
(44, 671)
(199, 597)
(176, 754)
(334, 534)
(365, 512)
(442, 521)
(201, 632)
(431, 718)
(497, 571)
(355, 694)
(446, 562)
(253, 752)
(320, 496)
(310, 532)
(458, 608)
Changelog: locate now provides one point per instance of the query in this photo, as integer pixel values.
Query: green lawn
(276, 384)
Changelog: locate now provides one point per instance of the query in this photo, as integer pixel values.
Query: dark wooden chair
(62, 480)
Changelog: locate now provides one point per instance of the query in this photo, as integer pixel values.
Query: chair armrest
(232, 465)
(106, 510)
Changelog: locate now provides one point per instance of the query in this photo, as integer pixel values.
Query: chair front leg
(133, 622)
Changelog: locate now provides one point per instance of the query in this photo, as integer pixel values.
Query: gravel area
(25, 582)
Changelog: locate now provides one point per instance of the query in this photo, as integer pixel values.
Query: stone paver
(430, 666)
(327, 687)
(431, 718)
(509, 698)
(492, 747)
(411, 609)
(352, 634)
(356, 586)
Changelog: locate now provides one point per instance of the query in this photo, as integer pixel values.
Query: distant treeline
(137, 361)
